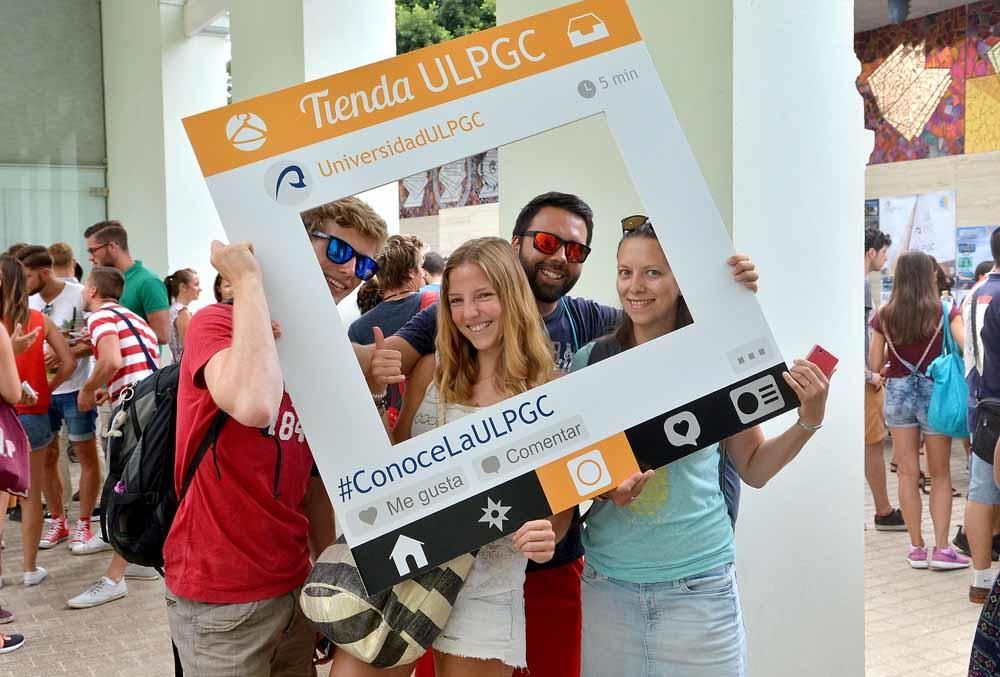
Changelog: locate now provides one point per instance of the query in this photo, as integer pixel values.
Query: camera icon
(589, 472)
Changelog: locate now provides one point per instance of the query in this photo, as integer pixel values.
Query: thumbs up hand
(387, 365)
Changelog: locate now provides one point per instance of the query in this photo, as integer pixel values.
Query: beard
(544, 289)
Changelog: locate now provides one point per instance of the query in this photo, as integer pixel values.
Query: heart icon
(368, 515)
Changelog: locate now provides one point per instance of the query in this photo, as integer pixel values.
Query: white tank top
(499, 567)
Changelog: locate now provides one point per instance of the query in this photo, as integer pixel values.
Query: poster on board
(972, 247)
(409, 506)
(924, 222)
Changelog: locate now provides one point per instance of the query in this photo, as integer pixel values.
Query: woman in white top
(491, 345)
(183, 288)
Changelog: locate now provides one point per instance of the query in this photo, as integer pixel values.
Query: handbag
(391, 628)
(948, 410)
(15, 453)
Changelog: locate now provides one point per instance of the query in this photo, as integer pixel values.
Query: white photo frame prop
(407, 507)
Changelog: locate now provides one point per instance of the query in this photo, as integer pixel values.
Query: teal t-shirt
(144, 292)
(677, 527)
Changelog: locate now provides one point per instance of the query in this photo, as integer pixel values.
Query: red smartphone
(823, 359)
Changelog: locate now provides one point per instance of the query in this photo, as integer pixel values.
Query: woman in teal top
(659, 587)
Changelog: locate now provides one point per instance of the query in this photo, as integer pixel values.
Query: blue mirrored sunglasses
(340, 252)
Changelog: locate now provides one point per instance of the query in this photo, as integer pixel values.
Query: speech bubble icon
(369, 515)
(682, 429)
(491, 464)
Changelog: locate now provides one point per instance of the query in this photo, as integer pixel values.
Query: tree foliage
(420, 23)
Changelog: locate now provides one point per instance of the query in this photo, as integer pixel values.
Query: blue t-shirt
(677, 527)
(989, 333)
(573, 324)
(389, 316)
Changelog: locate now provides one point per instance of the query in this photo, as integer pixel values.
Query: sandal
(925, 486)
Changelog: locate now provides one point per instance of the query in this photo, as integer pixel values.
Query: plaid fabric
(985, 659)
(392, 628)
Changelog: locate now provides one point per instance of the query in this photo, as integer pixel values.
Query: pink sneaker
(946, 559)
(57, 533)
(917, 557)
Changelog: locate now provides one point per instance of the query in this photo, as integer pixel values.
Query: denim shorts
(39, 430)
(81, 424)
(982, 487)
(691, 627)
(907, 400)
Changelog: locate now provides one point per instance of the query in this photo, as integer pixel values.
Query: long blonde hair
(526, 360)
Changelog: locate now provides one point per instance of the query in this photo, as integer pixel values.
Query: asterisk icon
(494, 514)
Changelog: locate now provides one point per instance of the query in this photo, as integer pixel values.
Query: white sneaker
(103, 591)
(93, 544)
(35, 577)
(141, 573)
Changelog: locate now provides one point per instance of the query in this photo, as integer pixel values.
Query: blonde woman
(491, 345)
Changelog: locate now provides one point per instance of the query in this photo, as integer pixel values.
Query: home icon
(585, 29)
(404, 549)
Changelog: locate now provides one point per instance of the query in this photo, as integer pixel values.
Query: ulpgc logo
(288, 183)
(246, 131)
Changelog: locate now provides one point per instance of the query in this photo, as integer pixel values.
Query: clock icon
(587, 89)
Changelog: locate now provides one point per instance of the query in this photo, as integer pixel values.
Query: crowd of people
(441, 338)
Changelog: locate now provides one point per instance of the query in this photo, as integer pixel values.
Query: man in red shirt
(240, 545)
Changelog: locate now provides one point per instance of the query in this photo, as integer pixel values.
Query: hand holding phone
(823, 359)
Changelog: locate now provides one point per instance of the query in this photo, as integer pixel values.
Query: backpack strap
(914, 369)
(974, 304)
(150, 362)
(210, 439)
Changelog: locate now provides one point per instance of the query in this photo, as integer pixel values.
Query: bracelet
(379, 400)
(806, 426)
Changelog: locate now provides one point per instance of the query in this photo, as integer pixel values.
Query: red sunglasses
(549, 244)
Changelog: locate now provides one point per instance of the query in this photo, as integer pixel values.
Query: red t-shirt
(31, 367)
(911, 352)
(232, 541)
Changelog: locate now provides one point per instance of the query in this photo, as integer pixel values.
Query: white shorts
(488, 627)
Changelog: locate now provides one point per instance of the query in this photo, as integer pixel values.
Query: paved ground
(916, 622)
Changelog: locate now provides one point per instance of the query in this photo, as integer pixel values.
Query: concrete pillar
(799, 154)
(155, 76)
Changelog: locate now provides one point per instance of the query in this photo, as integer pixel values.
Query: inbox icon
(757, 399)
(585, 29)
(589, 472)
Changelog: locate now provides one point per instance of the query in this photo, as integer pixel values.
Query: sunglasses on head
(340, 252)
(630, 223)
(549, 244)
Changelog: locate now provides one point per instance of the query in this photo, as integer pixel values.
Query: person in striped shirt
(125, 355)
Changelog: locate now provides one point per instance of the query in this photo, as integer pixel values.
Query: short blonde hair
(62, 254)
(349, 212)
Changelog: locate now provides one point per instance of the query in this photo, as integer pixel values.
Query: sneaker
(141, 573)
(91, 544)
(103, 591)
(11, 643)
(891, 522)
(978, 595)
(57, 533)
(76, 497)
(917, 557)
(35, 577)
(14, 514)
(6, 616)
(947, 559)
(80, 534)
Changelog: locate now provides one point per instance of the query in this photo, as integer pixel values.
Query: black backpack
(139, 501)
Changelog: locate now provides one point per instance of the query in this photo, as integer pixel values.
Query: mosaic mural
(931, 85)
(462, 183)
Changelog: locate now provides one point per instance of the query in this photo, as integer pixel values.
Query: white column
(194, 80)
(154, 76)
(799, 154)
(279, 44)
